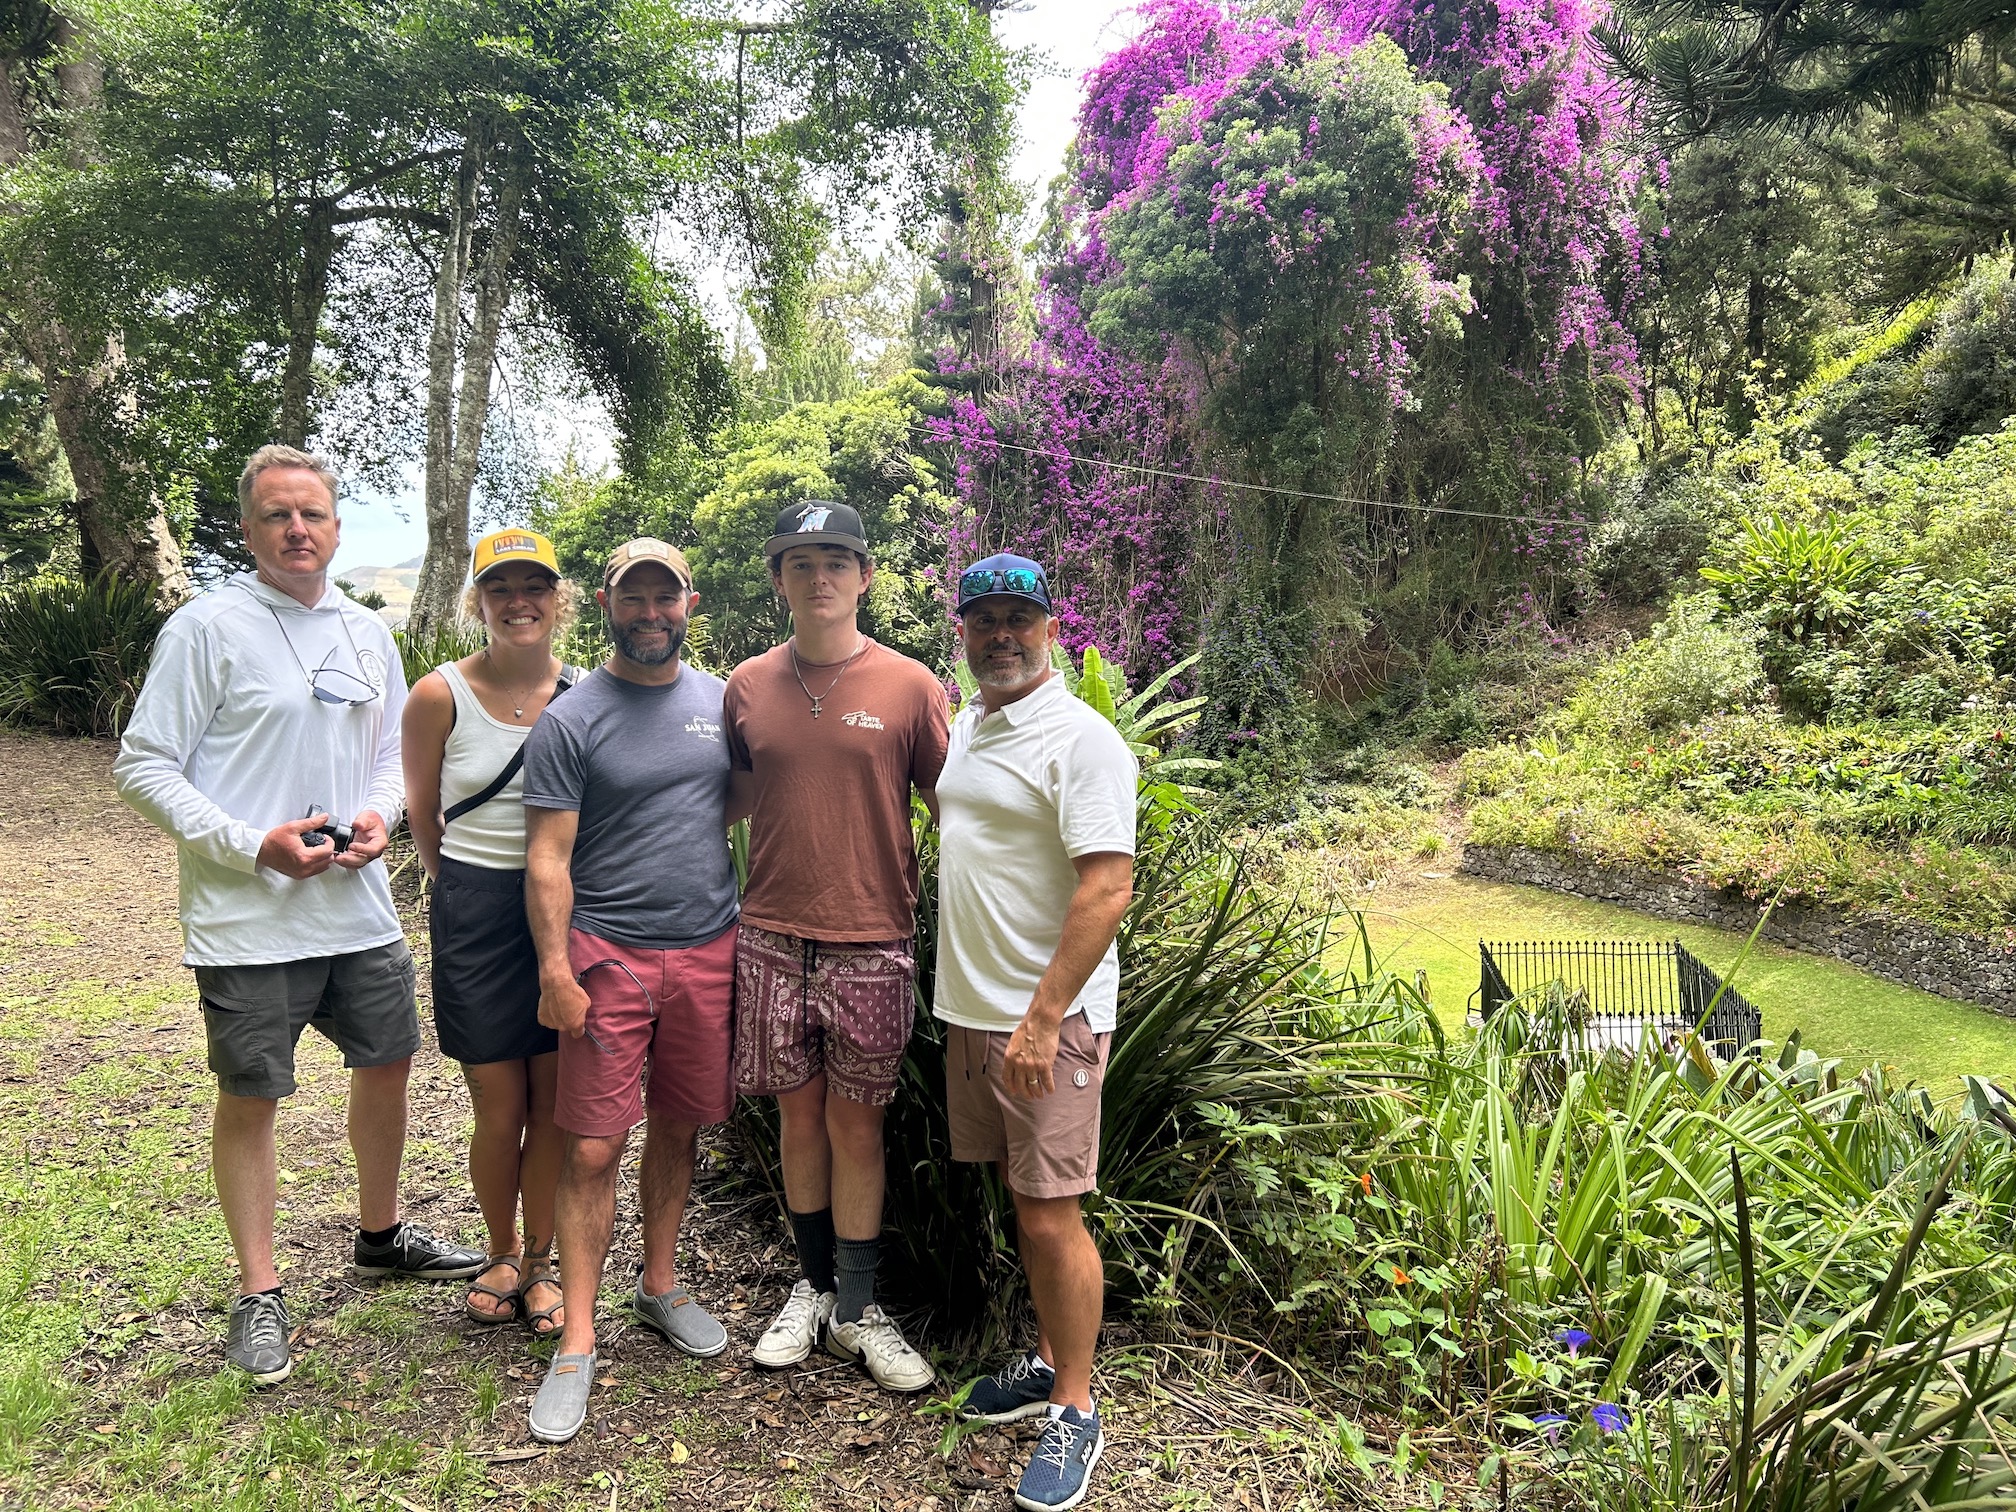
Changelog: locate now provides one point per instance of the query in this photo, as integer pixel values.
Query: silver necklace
(519, 700)
(819, 698)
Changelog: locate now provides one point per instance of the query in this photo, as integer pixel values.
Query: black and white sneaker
(1020, 1389)
(412, 1251)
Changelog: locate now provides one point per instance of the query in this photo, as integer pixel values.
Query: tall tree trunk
(122, 525)
(455, 422)
(307, 293)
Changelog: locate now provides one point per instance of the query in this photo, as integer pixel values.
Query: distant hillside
(395, 583)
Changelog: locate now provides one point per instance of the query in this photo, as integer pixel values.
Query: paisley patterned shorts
(807, 1006)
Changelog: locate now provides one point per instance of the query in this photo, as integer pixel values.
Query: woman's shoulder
(431, 697)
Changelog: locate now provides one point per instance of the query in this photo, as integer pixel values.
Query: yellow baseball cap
(501, 548)
(647, 549)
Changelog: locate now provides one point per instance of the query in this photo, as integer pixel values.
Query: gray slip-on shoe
(561, 1406)
(256, 1341)
(680, 1321)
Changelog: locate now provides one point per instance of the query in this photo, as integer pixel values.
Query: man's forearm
(549, 909)
(1090, 923)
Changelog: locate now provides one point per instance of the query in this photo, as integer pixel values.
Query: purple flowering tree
(1377, 249)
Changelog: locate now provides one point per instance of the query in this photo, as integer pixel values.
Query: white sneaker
(790, 1338)
(878, 1344)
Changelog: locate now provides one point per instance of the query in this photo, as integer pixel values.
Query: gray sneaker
(561, 1406)
(680, 1321)
(257, 1340)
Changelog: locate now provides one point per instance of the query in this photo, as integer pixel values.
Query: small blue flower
(1610, 1417)
(1572, 1339)
(1550, 1424)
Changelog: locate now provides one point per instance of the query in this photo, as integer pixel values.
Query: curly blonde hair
(566, 604)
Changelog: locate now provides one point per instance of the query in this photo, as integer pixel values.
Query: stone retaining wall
(1966, 967)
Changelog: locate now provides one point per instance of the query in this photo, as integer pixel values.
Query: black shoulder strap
(503, 779)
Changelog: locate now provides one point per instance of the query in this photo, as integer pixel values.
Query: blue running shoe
(1061, 1472)
(1020, 1390)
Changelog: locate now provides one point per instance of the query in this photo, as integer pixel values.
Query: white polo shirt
(1024, 791)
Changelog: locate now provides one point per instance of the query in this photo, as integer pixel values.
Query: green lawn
(1840, 1011)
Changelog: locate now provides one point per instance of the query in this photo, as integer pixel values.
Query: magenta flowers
(1378, 249)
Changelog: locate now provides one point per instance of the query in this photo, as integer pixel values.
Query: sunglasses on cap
(976, 582)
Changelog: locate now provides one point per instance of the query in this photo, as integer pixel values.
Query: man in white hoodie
(266, 741)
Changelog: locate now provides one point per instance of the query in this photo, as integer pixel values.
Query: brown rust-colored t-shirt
(830, 854)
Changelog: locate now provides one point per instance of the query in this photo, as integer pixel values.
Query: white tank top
(491, 834)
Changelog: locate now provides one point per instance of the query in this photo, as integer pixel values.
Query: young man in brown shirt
(828, 734)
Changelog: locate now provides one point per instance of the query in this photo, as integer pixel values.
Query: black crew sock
(378, 1236)
(813, 1234)
(854, 1262)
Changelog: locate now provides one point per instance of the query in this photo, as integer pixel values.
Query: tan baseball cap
(646, 549)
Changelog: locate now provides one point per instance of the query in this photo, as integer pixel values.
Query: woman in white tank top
(465, 726)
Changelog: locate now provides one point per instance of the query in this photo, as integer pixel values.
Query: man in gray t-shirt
(631, 896)
(646, 769)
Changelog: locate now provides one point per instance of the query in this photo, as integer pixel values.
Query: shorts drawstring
(809, 963)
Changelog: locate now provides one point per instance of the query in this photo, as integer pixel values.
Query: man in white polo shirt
(1035, 872)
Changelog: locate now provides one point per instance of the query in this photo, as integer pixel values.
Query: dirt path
(396, 1400)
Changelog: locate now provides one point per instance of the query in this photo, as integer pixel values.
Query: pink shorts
(667, 1008)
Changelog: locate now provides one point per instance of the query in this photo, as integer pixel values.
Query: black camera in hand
(328, 832)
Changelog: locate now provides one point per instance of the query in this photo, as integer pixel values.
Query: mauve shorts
(1048, 1146)
(657, 1036)
(486, 969)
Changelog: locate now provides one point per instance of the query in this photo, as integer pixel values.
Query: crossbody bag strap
(502, 780)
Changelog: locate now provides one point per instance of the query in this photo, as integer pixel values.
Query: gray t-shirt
(647, 770)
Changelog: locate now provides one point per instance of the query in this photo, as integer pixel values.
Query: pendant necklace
(820, 698)
(518, 700)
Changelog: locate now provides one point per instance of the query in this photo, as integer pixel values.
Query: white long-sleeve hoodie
(227, 741)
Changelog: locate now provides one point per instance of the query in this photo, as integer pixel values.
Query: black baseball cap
(818, 522)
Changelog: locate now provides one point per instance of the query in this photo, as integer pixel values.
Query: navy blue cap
(1005, 573)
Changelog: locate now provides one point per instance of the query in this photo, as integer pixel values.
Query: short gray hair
(281, 456)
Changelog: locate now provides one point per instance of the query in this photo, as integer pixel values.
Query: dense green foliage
(1833, 719)
(862, 449)
(1477, 1229)
(72, 654)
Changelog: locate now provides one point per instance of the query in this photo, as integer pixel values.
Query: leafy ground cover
(1433, 925)
(111, 1308)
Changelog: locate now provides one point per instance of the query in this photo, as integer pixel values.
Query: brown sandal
(513, 1297)
(539, 1271)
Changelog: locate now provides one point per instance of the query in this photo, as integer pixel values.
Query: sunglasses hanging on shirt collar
(331, 685)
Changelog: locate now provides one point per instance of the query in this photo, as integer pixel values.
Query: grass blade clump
(72, 655)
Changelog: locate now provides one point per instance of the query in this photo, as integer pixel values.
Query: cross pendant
(815, 708)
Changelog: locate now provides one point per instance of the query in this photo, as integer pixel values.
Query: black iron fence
(1614, 994)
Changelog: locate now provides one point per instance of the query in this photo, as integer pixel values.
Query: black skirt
(486, 971)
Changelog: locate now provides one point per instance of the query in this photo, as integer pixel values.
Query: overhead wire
(924, 429)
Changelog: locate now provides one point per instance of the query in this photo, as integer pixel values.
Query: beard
(1027, 666)
(628, 649)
